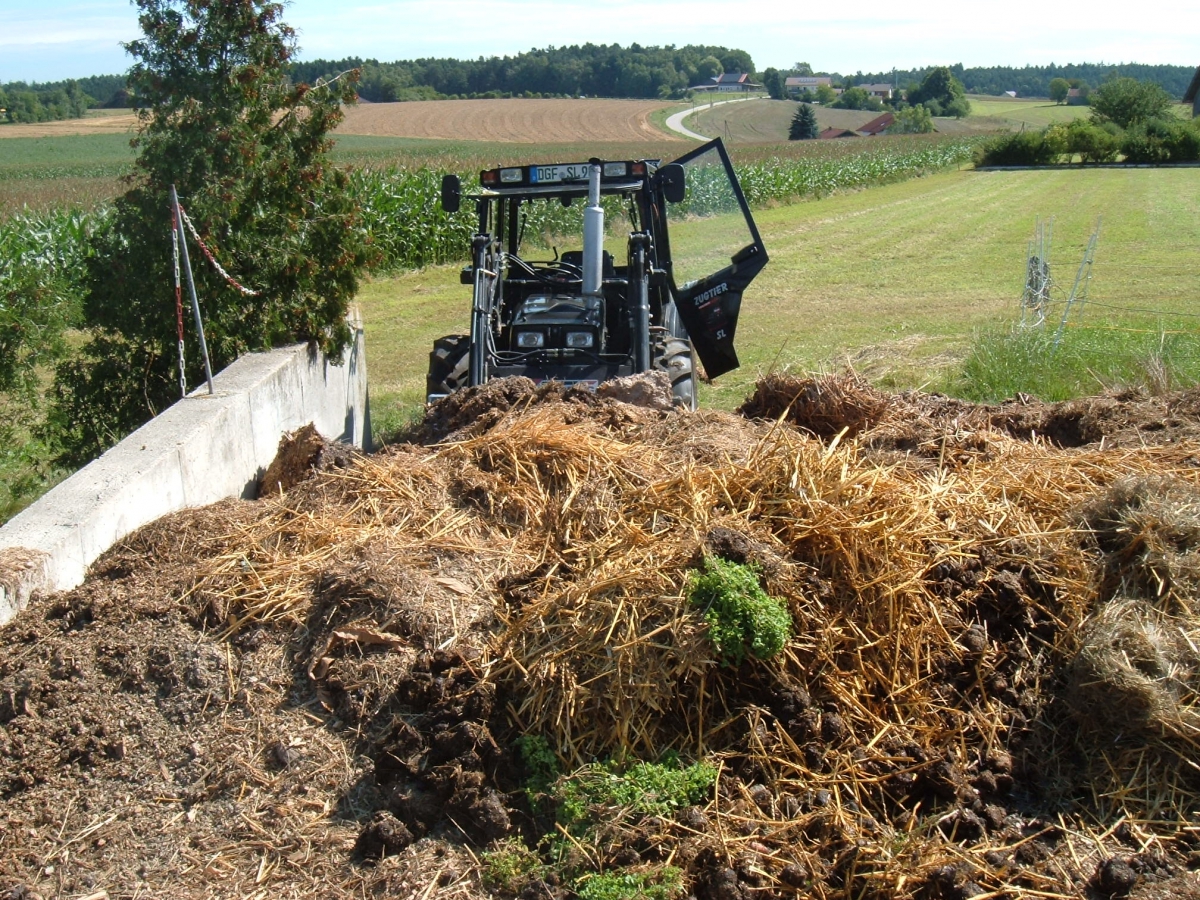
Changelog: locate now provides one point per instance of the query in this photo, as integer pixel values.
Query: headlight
(530, 339)
(579, 339)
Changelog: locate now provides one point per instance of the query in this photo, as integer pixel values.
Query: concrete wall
(203, 449)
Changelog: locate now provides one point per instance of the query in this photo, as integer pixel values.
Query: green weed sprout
(742, 619)
(510, 866)
(633, 885)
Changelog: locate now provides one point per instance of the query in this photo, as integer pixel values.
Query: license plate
(555, 174)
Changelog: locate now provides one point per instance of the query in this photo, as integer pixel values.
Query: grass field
(894, 281)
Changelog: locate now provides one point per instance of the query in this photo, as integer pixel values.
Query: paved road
(675, 122)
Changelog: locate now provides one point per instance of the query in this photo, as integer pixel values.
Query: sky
(52, 40)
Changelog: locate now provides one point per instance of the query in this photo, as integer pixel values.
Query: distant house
(728, 83)
(877, 126)
(881, 91)
(1077, 97)
(1193, 94)
(797, 84)
(830, 133)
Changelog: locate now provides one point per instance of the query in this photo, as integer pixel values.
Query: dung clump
(824, 406)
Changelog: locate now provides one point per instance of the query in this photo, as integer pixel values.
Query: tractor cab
(588, 314)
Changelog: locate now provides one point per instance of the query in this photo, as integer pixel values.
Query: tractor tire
(449, 363)
(677, 358)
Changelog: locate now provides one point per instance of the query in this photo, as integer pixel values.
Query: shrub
(741, 617)
(959, 108)
(1021, 148)
(911, 120)
(1093, 143)
(1160, 141)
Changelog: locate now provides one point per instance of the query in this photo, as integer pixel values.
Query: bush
(743, 620)
(1021, 148)
(959, 108)
(1160, 141)
(1093, 143)
(911, 120)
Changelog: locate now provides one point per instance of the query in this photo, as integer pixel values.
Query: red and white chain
(208, 253)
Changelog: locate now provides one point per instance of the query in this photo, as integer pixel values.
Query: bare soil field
(511, 121)
(104, 121)
(990, 688)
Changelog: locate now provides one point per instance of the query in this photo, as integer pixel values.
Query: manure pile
(991, 688)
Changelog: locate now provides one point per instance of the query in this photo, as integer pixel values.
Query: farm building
(1077, 97)
(881, 91)
(1192, 95)
(877, 126)
(798, 83)
(830, 133)
(729, 83)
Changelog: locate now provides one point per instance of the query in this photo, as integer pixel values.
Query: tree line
(595, 70)
(43, 102)
(1034, 81)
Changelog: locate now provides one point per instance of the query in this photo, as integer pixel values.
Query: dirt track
(510, 121)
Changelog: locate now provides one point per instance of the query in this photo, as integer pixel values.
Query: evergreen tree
(248, 151)
(804, 124)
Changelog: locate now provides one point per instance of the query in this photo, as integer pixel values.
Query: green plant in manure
(643, 788)
(249, 153)
(511, 866)
(665, 883)
(541, 772)
(742, 619)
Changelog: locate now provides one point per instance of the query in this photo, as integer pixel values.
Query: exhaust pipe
(593, 236)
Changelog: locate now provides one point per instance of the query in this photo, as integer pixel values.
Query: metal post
(187, 268)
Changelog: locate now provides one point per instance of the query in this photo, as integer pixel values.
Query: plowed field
(510, 121)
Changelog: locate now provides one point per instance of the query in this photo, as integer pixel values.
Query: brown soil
(511, 121)
(315, 694)
(100, 122)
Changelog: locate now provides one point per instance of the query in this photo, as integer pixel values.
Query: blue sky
(56, 39)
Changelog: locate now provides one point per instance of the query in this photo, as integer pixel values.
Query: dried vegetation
(991, 688)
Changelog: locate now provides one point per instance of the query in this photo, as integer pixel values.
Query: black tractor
(582, 318)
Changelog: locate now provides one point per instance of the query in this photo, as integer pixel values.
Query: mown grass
(894, 281)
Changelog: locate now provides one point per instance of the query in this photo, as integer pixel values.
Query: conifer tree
(804, 124)
(248, 153)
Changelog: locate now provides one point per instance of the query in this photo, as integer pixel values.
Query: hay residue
(973, 615)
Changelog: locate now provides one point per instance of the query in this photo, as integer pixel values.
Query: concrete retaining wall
(203, 449)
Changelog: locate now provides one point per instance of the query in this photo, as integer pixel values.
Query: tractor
(580, 317)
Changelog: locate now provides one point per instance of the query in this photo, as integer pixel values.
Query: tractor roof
(565, 179)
